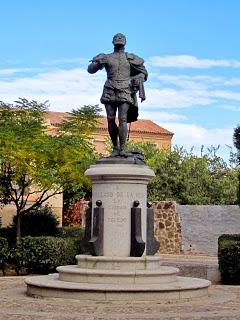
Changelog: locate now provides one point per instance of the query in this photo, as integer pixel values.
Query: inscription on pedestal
(117, 202)
(118, 194)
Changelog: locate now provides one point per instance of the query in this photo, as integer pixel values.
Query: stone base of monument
(120, 238)
(112, 279)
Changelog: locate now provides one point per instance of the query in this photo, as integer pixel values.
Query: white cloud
(187, 61)
(231, 107)
(12, 71)
(189, 135)
(184, 91)
(223, 94)
(190, 82)
(79, 60)
(161, 116)
(176, 98)
(67, 89)
(64, 89)
(232, 82)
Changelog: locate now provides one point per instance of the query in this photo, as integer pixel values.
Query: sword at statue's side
(129, 130)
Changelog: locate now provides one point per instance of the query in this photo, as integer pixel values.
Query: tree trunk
(18, 227)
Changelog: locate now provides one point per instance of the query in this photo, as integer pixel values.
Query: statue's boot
(122, 131)
(115, 152)
(113, 132)
(123, 153)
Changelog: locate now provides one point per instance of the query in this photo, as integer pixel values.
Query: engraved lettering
(118, 220)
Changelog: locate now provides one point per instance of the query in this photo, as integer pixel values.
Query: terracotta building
(141, 130)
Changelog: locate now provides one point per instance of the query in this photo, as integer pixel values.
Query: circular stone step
(107, 276)
(182, 288)
(118, 263)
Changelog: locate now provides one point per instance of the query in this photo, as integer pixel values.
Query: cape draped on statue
(137, 67)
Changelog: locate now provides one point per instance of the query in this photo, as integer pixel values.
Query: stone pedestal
(118, 185)
(113, 279)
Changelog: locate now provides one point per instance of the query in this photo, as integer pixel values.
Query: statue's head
(119, 39)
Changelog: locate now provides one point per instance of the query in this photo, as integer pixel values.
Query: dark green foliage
(238, 191)
(42, 254)
(9, 234)
(70, 232)
(187, 178)
(40, 222)
(3, 254)
(229, 258)
(82, 120)
(73, 233)
(236, 137)
(236, 141)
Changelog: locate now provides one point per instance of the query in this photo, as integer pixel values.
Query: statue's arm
(97, 63)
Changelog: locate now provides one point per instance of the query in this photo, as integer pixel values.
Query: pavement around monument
(223, 303)
(194, 265)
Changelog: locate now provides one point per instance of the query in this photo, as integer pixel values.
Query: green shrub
(3, 254)
(43, 254)
(40, 222)
(229, 258)
(76, 234)
(19, 258)
(9, 234)
(70, 232)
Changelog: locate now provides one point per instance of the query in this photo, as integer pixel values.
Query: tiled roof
(140, 126)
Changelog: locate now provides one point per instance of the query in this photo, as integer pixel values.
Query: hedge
(38, 222)
(3, 254)
(9, 234)
(229, 258)
(42, 254)
(70, 232)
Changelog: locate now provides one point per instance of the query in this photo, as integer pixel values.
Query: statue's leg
(112, 126)
(123, 129)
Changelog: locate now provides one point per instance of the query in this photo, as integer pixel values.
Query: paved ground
(197, 266)
(223, 303)
(193, 258)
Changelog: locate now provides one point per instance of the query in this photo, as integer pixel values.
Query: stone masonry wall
(167, 227)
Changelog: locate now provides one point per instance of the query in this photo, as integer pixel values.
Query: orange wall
(161, 141)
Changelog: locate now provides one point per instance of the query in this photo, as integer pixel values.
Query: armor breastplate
(117, 67)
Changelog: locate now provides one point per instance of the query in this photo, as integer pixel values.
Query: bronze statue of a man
(125, 76)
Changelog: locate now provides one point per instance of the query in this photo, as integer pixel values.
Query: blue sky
(191, 50)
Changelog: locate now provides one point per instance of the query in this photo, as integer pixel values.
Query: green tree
(184, 177)
(34, 162)
(236, 138)
(236, 141)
